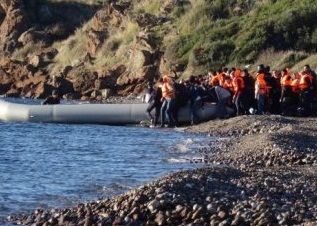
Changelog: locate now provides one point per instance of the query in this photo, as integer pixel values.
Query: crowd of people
(264, 92)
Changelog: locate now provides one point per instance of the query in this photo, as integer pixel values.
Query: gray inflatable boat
(111, 114)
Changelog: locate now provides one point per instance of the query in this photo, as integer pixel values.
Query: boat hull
(92, 113)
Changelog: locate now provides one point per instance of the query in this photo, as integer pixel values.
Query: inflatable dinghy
(111, 114)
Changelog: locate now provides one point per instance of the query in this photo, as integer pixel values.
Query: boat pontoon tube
(91, 113)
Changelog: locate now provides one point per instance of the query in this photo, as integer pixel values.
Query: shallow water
(60, 165)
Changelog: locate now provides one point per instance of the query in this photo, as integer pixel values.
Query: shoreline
(264, 174)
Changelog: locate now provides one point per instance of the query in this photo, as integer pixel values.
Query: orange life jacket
(214, 81)
(303, 84)
(168, 91)
(228, 85)
(262, 83)
(295, 85)
(238, 83)
(286, 80)
(221, 78)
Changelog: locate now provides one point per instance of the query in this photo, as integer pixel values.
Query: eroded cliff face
(43, 23)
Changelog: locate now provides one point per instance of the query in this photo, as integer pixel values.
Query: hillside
(93, 49)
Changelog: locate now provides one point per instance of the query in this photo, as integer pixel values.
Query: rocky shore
(263, 172)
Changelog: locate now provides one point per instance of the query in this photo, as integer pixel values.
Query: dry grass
(72, 49)
(282, 59)
(87, 2)
(115, 50)
(148, 6)
(190, 20)
(311, 60)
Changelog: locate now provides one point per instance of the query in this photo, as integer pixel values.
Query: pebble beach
(261, 172)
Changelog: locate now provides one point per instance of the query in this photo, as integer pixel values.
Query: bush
(212, 56)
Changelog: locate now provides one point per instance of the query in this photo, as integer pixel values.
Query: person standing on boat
(53, 99)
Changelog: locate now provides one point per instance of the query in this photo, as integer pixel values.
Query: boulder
(32, 36)
(42, 90)
(82, 79)
(14, 23)
(135, 81)
(35, 61)
(5, 5)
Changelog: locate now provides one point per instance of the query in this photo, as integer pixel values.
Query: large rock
(95, 41)
(5, 82)
(32, 36)
(82, 79)
(142, 64)
(39, 23)
(14, 23)
(134, 81)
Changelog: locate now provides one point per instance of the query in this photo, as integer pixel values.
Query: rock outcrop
(35, 26)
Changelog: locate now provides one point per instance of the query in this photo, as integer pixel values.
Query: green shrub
(181, 47)
(213, 55)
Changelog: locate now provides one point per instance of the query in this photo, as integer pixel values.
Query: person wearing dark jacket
(248, 100)
(195, 99)
(155, 95)
(53, 99)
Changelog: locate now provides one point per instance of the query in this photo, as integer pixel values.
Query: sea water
(46, 165)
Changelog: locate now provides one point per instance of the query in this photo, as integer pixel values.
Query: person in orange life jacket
(261, 91)
(306, 94)
(238, 86)
(228, 84)
(53, 99)
(168, 102)
(212, 78)
(295, 87)
(290, 104)
(195, 99)
(154, 101)
(220, 77)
